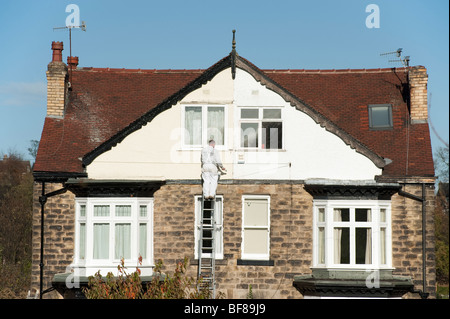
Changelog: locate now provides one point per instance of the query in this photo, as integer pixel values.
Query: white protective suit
(210, 173)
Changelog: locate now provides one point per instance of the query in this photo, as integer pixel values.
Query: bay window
(352, 234)
(111, 229)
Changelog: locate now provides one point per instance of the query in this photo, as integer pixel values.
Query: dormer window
(380, 116)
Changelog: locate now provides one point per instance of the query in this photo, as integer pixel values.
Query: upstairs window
(261, 128)
(202, 123)
(380, 116)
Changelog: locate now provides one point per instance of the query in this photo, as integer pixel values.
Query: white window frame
(218, 228)
(204, 137)
(329, 224)
(251, 256)
(110, 264)
(259, 121)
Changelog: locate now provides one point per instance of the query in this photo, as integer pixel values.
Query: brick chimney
(418, 79)
(56, 82)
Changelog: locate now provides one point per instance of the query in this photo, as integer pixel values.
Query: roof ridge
(125, 70)
(328, 71)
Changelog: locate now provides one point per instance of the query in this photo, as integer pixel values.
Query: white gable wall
(156, 151)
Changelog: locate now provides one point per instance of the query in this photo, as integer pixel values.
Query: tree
(16, 193)
(32, 150)
(441, 215)
(441, 164)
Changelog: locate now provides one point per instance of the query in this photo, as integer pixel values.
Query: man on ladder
(211, 164)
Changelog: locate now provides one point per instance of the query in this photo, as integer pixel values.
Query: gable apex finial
(233, 43)
(233, 56)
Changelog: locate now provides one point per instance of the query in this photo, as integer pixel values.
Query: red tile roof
(343, 97)
(105, 104)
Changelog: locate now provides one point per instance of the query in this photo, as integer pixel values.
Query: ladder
(206, 246)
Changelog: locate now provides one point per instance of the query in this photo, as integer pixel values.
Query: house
(329, 190)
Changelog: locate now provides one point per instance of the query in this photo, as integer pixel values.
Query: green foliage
(442, 262)
(130, 286)
(250, 292)
(441, 223)
(16, 198)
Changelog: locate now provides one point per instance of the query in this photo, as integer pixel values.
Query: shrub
(130, 286)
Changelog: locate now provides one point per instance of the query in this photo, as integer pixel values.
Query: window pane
(383, 245)
(193, 125)
(249, 134)
(123, 210)
(122, 247)
(101, 210)
(218, 206)
(82, 247)
(272, 135)
(216, 124)
(272, 114)
(342, 245)
(341, 215)
(321, 245)
(143, 240)
(362, 215)
(380, 116)
(101, 241)
(256, 241)
(207, 241)
(143, 211)
(249, 113)
(321, 214)
(256, 212)
(82, 210)
(363, 245)
(383, 215)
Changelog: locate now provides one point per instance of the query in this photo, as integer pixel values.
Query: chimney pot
(57, 48)
(72, 61)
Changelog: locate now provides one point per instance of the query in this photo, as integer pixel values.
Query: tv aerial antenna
(403, 60)
(70, 27)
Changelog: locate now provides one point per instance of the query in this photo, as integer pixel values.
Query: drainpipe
(423, 294)
(42, 200)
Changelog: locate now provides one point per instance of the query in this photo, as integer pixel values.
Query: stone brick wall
(290, 241)
(59, 232)
(407, 237)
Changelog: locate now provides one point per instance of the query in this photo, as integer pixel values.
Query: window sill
(263, 150)
(248, 262)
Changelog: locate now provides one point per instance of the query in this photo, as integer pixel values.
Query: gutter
(423, 294)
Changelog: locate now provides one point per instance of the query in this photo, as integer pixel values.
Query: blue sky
(321, 34)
